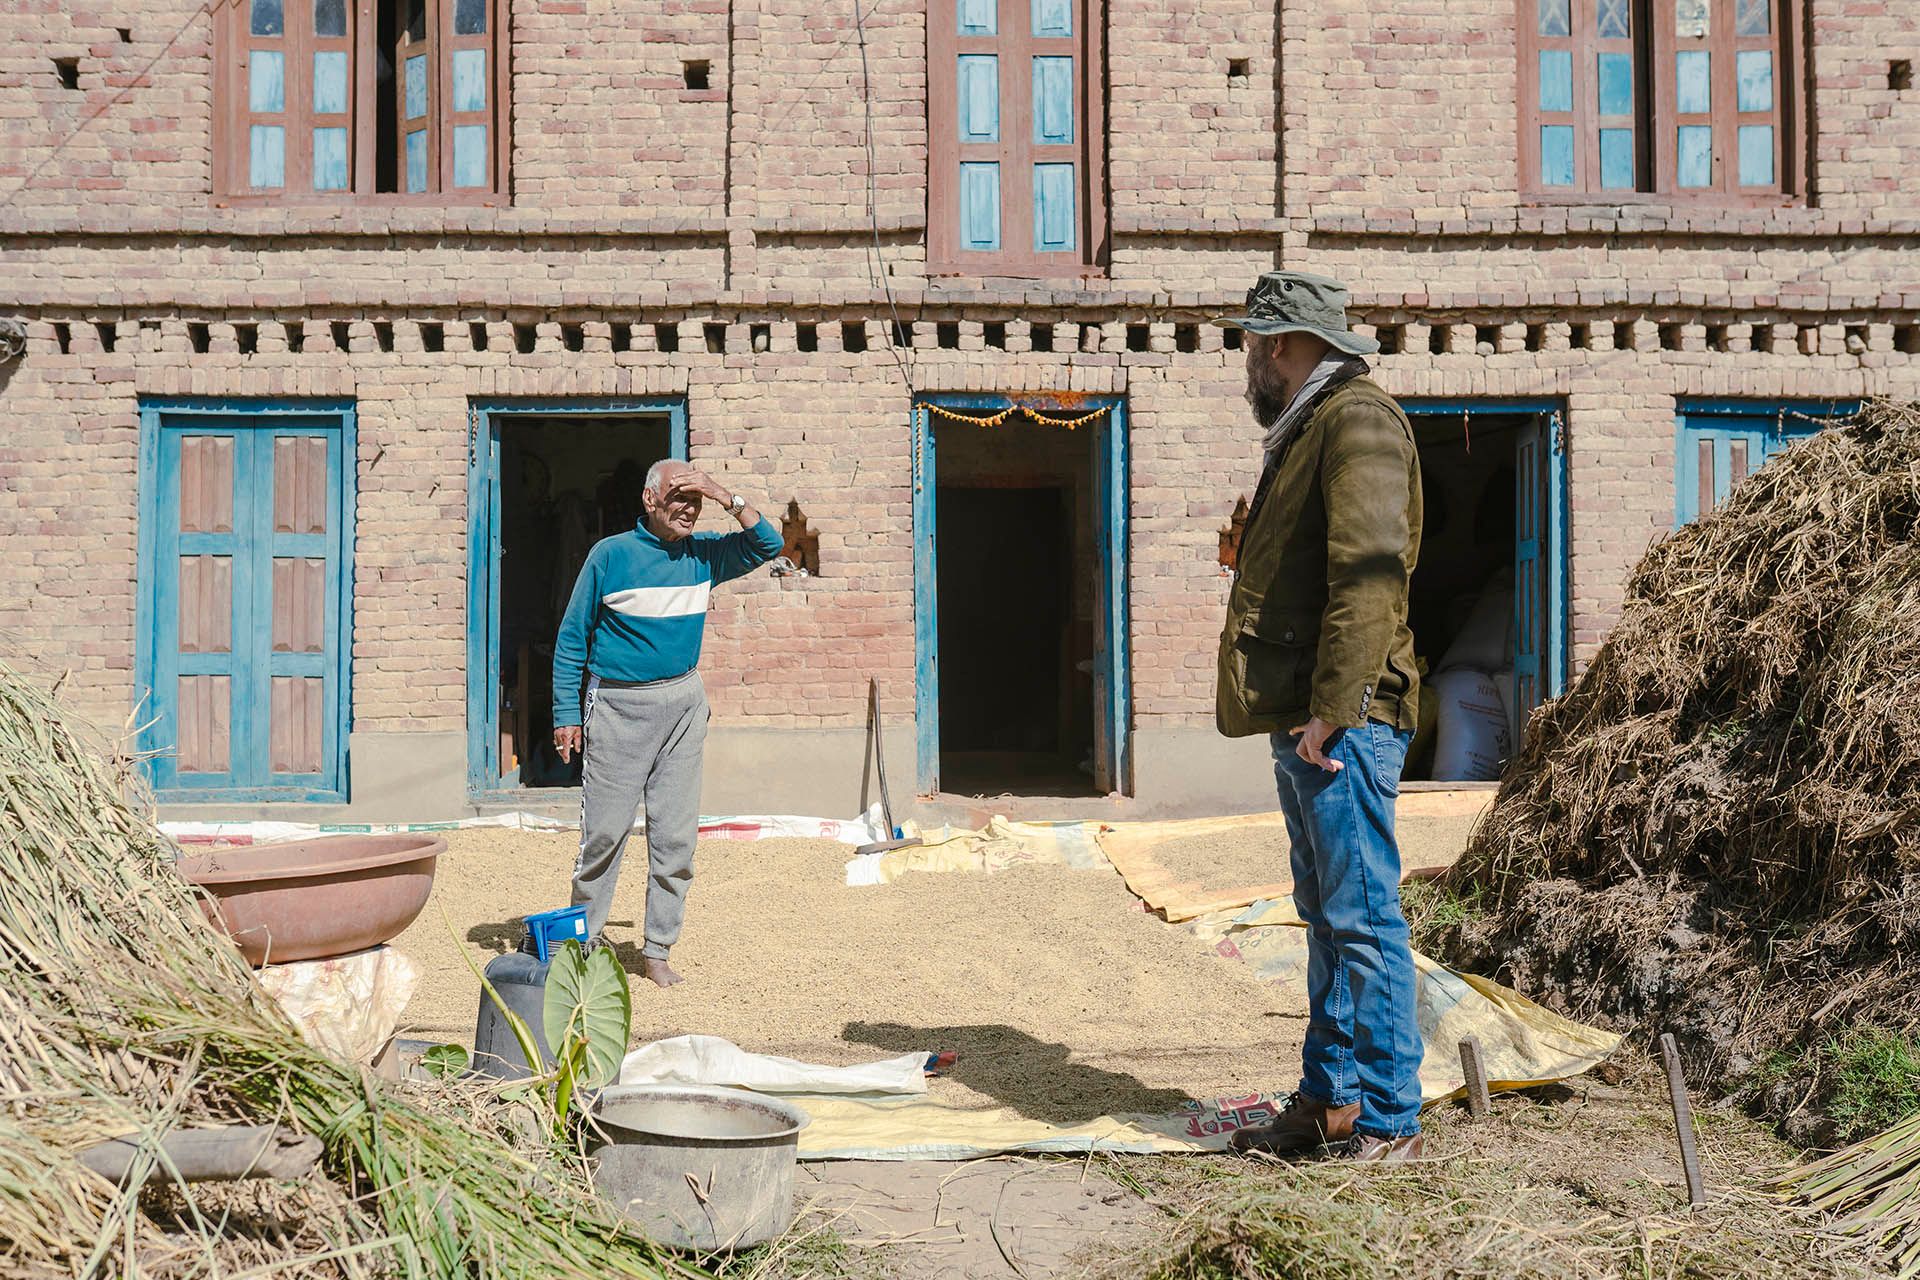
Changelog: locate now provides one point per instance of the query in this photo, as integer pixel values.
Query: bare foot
(658, 972)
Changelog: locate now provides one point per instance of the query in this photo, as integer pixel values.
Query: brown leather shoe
(1366, 1147)
(1303, 1125)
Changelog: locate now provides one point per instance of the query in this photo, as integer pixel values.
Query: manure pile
(1717, 830)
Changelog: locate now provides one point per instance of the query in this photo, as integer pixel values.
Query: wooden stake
(1683, 1121)
(1473, 1066)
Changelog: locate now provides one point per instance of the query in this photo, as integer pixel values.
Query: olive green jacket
(1317, 622)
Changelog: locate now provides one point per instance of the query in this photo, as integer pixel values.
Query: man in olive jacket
(1316, 653)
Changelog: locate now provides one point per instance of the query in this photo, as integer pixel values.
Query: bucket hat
(1297, 302)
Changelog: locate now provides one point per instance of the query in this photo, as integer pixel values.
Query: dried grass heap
(1717, 831)
(123, 1012)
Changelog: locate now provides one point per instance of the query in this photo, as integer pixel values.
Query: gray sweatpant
(642, 744)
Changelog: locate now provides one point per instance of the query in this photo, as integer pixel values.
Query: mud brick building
(350, 323)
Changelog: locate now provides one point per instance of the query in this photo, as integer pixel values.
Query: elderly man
(633, 630)
(1316, 653)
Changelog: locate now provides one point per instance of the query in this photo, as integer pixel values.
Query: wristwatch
(738, 505)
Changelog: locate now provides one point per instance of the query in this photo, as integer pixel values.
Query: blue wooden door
(1539, 568)
(1112, 705)
(248, 607)
(1531, 530)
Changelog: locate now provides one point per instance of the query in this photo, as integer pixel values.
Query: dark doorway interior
(1462, 597)
(1015, 556)
(566, 481)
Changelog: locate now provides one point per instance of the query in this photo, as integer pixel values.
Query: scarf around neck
(1335, 366)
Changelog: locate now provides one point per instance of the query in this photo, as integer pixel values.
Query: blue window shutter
(1053, 211)
(979, 206)
(1052, 101)
(979, 97)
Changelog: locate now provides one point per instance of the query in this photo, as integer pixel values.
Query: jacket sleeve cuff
(1342, 708)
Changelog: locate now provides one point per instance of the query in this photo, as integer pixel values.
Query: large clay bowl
(310, 899)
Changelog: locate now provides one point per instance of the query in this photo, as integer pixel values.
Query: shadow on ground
(1035, 1077)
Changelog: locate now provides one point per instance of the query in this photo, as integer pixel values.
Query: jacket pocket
(1272, 674)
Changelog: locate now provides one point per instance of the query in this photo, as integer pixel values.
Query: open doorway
(1016, 596)
(564, 481)
(1482, 599)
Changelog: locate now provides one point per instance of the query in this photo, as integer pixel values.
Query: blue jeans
(1363, 1031)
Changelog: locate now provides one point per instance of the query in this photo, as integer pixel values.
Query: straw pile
(123, 1012)
(1717, 831)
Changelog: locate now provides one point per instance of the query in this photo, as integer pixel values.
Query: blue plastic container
(548, 929)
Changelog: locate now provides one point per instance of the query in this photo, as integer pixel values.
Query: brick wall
(640, 202)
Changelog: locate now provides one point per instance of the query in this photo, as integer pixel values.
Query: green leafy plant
(586, 1015)
(445, 1061)
(588, 1011)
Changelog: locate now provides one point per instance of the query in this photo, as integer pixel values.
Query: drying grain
(1062, 996)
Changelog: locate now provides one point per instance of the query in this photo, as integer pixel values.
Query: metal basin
(696, 1167)
(310, 899)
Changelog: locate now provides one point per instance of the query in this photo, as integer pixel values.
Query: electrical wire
(873, 206)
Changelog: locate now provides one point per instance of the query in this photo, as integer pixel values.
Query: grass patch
(1435, 909)
(810, 1251)
(1872, 1080)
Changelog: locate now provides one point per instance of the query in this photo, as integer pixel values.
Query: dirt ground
(1063, 998)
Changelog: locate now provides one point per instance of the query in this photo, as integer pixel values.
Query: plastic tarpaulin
(996, 847)
(711, 1060)
(1522, 1043)
(856, 831)
(348, 1005)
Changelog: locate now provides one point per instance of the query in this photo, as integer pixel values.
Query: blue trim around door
(1553, 421)
(1113, 693)
(156, 603)
(485, 782)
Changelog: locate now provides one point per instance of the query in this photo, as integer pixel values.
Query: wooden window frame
(1016, 152)
(233, 43)
(1656, 148)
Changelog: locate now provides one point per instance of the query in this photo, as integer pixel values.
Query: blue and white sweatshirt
(639, 607)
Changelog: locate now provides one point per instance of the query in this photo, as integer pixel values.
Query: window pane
(266, 81)
(1753, 18)
(469, 79)
(1555, 18)
(267, 156)
(1616, 159)
(979, 98)
(1052, 100)
(417, 160)
(470, 155)
(1614, 77)
(978, 17)
(1690, 19)
(1692, 83)
(330, 17)
(1756, 155)
(979, 206)
(330, 82)
(1556, 80)
(416, 86)
(470, 17)
(329, 159)
(267, 18)
(1753, 72)
(1614, 20)
(1053, 208)
(1556, 155)
(1052, 17)
(1695, 167)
